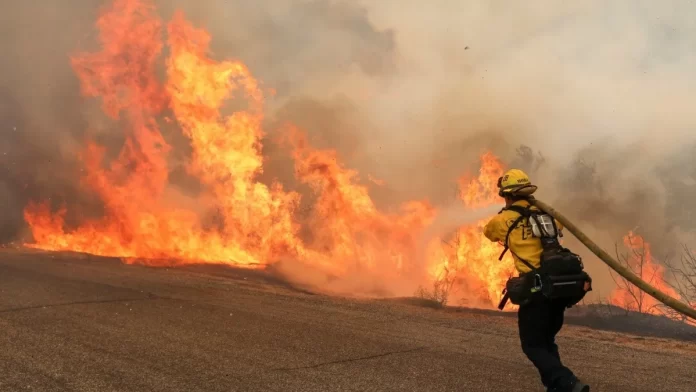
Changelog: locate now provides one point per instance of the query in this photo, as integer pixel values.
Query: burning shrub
(639, 260)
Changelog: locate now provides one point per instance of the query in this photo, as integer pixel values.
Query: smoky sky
(409, 92)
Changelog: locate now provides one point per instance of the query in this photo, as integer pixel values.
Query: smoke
(42, 117)
(409, 93)
(603, 82)
(359, 283)
(599, 89)
(412, 93)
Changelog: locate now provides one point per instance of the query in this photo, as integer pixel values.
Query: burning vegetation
(640, 261)
(237, 219)
(252, 224)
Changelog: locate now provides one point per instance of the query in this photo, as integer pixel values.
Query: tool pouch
(571, 288)
(519, 289)
(563, 277)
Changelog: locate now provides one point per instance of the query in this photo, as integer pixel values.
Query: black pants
(539, 322)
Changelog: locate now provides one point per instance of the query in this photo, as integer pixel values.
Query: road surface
(77, 323)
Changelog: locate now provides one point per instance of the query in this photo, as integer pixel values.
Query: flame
(138, 224)
(237, 219)
(470, 262)
(123, 75)
(350, 232)
(482, 191)
(227, 150)
(641, 262)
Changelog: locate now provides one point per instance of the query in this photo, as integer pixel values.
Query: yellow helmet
(515, 182)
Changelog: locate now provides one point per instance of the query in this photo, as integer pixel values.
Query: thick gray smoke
(411, 93)
(41, 121)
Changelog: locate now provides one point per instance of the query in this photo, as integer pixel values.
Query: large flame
(241, 221)
(470, 262)
(349, 231)
(641, 262)
(138, 223)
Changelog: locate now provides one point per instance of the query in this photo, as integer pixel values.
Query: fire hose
(616, 266)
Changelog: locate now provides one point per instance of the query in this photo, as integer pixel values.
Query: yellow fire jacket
(522, 243)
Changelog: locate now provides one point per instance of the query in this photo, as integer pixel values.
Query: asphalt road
(82, 324)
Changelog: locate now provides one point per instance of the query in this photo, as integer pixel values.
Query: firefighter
(541, 318)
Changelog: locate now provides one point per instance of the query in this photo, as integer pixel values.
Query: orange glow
(235, 219)
(226, 154)
(641, 262)
(350, 233)
(138, 224)
(482, 191)
(470, 262)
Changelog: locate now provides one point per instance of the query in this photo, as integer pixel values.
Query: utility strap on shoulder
(507, 236)
(525, 212)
